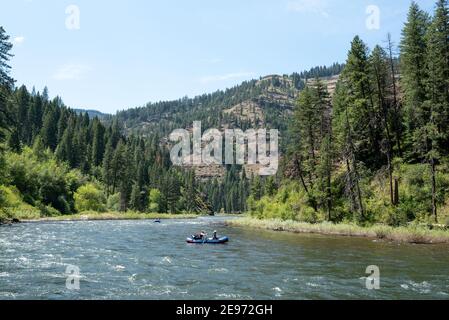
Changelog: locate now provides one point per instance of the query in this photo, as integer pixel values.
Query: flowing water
(145, 260)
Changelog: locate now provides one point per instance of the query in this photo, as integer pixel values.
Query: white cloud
(309, 6)
(71, 72)
(19, 40)
(224, 77)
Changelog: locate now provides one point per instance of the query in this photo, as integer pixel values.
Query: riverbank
(95, 216)
(411, 234)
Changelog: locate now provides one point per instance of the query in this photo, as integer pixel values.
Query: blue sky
(127, 53)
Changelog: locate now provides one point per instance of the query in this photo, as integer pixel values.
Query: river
(146, 260)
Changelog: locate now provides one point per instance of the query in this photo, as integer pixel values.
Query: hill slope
(267, 102)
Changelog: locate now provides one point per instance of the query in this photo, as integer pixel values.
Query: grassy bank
(106, 216)
(411, 234)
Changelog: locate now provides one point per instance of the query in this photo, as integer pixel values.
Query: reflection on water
(144, 260)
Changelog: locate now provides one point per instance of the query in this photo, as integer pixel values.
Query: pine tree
(6, 83)
(136, 198)
(23, 100)
(379, 64)
(397, 125)
(434, 132)
(107, 172)
(38, 147)
(308, 121)
(14, 141)
(343, 124)
(270, 186)
(365, 125)
(35, 115)
(62, 123)
(413, 72)
(5, 55)
(438, 71)
(98, 145)
(65, 150)
(326, 152)
(81, 148)
(5, 116)
(49, 131)
(256, 188)
(121, 173)
(45, 95)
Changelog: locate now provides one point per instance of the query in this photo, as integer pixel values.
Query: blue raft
(208, 240)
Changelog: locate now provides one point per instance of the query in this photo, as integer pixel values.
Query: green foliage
(10, 197)
(413, 60)
(43, 180)
(290, 203)
(90, 198)
(137, 198)
(13, 206)
(154, 200)
(5, 55)
(113, 202)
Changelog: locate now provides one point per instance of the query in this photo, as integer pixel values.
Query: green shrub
(2, 199)
(90, 198)
(10, 197)
(308, 215)
(446, 221)
(13, 206)
(41, 178)
(47, 211)
(113, 203)
(154, 200)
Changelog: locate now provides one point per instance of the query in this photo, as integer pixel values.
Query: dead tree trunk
(434, 189)
(395, 95)
(388, 148)
(396, 191)
(352, 170)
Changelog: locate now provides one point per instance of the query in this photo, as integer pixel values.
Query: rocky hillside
(267, 102)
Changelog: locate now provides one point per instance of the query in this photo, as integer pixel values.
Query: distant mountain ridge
(93, 113)
(265, 102)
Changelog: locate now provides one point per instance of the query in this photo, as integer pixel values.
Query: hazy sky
(123, 54)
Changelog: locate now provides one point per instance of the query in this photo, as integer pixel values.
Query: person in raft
(215, 235)
(200, 236)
